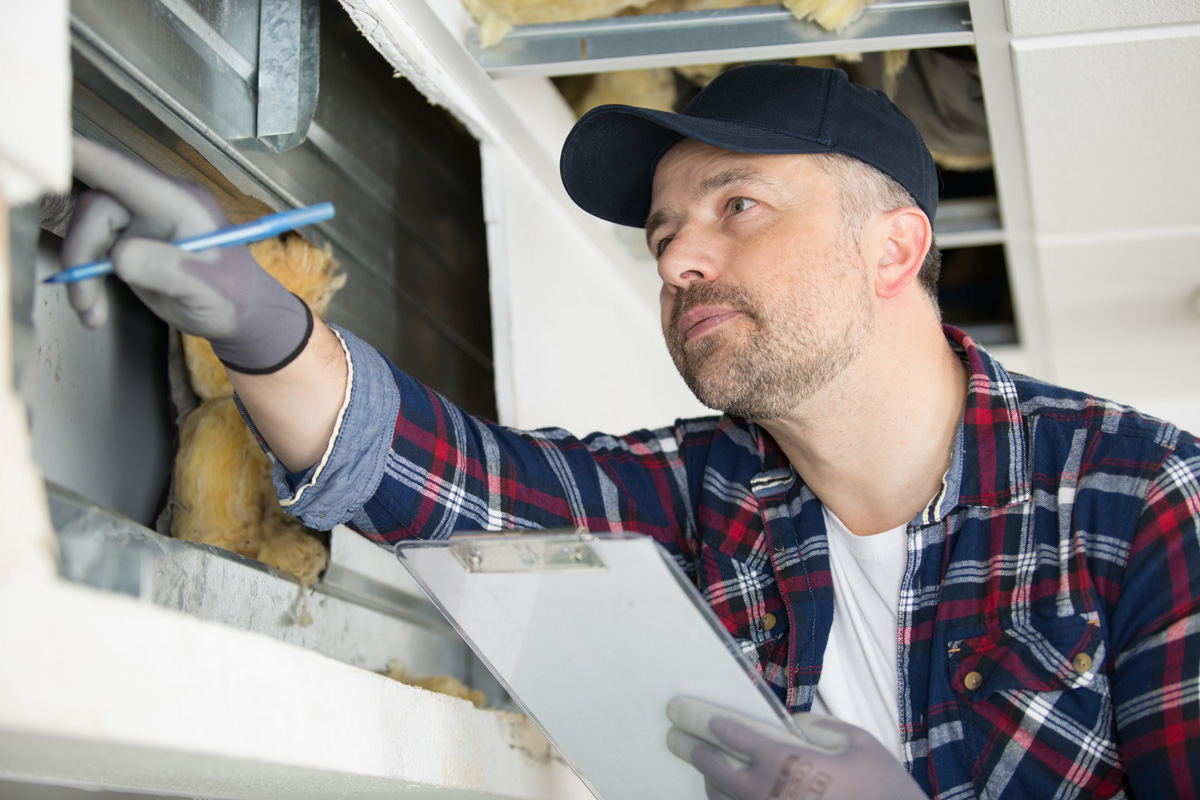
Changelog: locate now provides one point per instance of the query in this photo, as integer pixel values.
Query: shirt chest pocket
(1034, 706)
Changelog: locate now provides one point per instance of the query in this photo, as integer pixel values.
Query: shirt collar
(990, 464)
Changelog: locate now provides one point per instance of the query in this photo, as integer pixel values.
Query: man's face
(765, 300)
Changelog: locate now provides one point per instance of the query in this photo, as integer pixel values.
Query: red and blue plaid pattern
(1049, 641)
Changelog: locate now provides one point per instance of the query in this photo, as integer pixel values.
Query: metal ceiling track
(730, 35)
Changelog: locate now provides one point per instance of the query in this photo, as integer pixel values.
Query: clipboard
(592, 635)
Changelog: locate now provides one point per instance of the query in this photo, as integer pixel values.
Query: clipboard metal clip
(527, 552)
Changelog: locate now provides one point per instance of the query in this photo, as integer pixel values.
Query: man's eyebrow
(742, 174)
(710, 185)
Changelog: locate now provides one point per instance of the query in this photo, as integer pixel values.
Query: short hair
(867, 191)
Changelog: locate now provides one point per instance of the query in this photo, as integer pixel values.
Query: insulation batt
(217, 472)
(656, 88)
(497, 17)
(441, 684)
(648, 88)
(222, 490)
(223, 494)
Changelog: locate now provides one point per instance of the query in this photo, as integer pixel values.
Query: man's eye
(739, 204)
(661, 247)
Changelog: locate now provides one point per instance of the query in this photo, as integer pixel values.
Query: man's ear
(908, 238)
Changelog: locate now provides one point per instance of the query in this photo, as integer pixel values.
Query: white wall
(585, 342)
(586, 353)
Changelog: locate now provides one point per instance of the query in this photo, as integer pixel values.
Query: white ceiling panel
(1035, 17)
(1110, 124)
(1121, 319)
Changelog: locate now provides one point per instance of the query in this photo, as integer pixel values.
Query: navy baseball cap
(609, 158)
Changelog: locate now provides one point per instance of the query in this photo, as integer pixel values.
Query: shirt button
(766, 622)
(972, 680)
(1082, 663)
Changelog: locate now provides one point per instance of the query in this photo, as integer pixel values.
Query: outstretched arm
(287, 367)
(295, 407)
(403, 461)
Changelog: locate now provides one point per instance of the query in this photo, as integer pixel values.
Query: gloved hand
(255, 325)
(743, 759)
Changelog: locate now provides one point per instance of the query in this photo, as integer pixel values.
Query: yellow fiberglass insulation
(648, 88)
(830, 14)
(222, 487)
(440, 684)
(497, 17)
(217, 474)
(652, 88)
(288, 545)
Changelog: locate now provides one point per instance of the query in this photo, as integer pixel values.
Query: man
(991, 579)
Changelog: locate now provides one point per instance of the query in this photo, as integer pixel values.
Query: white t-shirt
(858, 678)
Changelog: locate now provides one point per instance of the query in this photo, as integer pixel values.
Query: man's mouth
(700, 321)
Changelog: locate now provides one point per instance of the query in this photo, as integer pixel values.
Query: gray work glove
(255, 325)
(743, 759)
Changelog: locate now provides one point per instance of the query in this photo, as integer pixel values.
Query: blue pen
(259, 229)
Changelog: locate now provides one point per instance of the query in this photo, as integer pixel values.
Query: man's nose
(690, 257)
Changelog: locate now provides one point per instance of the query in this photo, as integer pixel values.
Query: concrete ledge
(103, 691)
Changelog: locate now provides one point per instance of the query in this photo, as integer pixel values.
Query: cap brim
(608, 159)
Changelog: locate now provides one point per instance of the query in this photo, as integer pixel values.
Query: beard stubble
(787, 355)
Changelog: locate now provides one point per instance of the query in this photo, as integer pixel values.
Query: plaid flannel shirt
(1049, 616)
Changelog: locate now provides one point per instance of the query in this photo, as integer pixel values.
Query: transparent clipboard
(592, 635)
